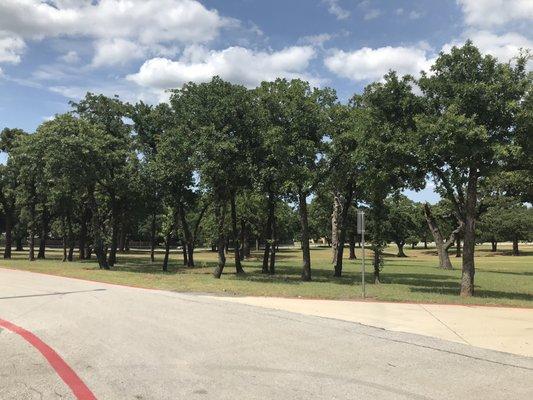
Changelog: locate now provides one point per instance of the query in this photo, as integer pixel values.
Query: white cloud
(148, 21)
(317, 40)
(112, 23)
(11, 48)
(70, 57)
(369, 12)
(368, 64)
(235, 64)
(504, 47)
(335, 9)
(115, 51)
(487, 13)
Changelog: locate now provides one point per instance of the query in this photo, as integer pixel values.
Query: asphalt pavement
(128, 343)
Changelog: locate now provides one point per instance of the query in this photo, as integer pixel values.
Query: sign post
(361, 230)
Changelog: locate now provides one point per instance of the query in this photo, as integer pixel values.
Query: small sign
(360, 221)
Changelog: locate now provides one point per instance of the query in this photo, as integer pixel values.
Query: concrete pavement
(497, 328)
(128, 343)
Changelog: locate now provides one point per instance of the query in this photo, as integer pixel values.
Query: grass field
(501, 279)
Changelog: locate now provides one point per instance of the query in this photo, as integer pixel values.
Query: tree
(389, 153)
(299, 117)
(219, 114)
(64, 171)
(9, 138)
(401, 222)
(468, 130)
(173, 172)
(114, 168)
(28, 159)
(506, 218)
(345, 168)
(440, 242)
(150, 123)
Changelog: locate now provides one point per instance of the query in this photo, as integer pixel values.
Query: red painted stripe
(80, 390)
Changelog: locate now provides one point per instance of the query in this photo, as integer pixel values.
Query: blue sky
(54, 51)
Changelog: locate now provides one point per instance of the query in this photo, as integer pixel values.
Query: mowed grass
(501, 279)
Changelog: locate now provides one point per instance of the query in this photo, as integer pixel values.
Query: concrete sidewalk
(497, 328)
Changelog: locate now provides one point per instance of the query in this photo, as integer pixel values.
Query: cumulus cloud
(491, 13)
(115, 51)
(114, 24)
(335, 9)
(368, 64)
(149, 21)
(11, 48)
(235, 64)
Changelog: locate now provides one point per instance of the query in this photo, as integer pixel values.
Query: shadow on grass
(527, 273)
(423, 280)
(477, 293)
(504, 252)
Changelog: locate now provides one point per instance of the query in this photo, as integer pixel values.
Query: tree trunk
(516, 252)
(167, 252)
(42, 240)
(31, 254)
(469, 270)
(70, 238)
(458, 247)
(184, 252)
(425, 243)
(220, 211)
(152, 238)
(341, 226)
(306, 252)
(335, 216)
(273, 248)
(101, 253)
(236, 245)
(189, 238)
(494, 244)
(44, 231)
(41, 253)
(122, 240)
(377, 264)
(400, 245)
(242, 238)
(9, 234)
(245, 243)
(268, 232)
(64, 243)
(440, 243)
(352, 248)
(114, 237)
(83, 239)
(19, 246)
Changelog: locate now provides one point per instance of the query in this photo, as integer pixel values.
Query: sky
(54, 51)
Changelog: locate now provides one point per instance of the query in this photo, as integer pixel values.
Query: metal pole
(363, 251)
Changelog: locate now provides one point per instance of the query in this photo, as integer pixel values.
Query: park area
(501, 278)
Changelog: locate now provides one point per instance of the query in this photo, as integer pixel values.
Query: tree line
(227, 166)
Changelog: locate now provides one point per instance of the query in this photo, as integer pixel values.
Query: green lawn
(501, 279)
